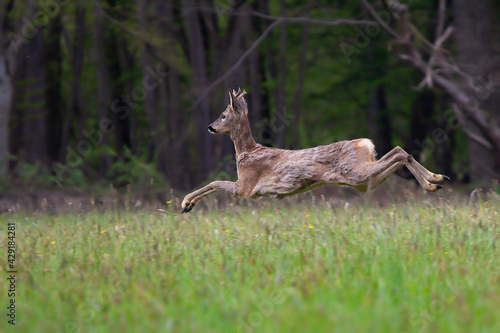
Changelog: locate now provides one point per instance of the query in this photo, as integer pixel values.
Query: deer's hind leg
(382, 169)
(379, 171)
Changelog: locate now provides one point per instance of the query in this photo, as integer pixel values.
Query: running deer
(277, 173)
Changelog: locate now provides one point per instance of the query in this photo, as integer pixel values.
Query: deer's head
(235, 113)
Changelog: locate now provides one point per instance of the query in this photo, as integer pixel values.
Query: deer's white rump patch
(366, 143)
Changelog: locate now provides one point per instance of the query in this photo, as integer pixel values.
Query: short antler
(239, 94)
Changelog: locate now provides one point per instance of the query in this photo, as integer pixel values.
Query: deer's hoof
(439, 178)
(433, 187)
(187, 207)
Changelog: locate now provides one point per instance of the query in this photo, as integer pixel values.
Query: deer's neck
(242, 138)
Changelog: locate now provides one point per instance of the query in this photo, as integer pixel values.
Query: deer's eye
(223, 117)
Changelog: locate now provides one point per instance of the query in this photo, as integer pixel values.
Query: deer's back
(287, 171)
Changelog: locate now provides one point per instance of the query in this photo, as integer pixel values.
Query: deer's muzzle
(211, 129)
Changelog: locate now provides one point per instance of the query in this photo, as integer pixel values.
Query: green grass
(415, 267)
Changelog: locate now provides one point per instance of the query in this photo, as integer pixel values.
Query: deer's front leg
(218, 185)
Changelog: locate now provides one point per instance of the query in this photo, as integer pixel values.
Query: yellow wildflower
(52, 242)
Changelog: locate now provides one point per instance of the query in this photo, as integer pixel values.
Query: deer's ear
(231, 99)
(234, 101)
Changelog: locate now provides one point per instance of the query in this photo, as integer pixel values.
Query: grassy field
(422, 266)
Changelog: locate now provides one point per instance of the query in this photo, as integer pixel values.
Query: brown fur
(277, 173)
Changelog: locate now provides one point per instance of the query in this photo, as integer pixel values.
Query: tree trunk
(251, 31)
(179, 171)
(198, 66)
(279, 120)
(422, 111)
(75, 108)
(478, 42)
(53, 83)
(35, 113)
(6, 88)
(157, 131)
(266, 60)
(103, 94)
(115, 48)
(254, 103)
(444, 139)
(379, 125)
(16, 109)
(5, 102)
(298, 91)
